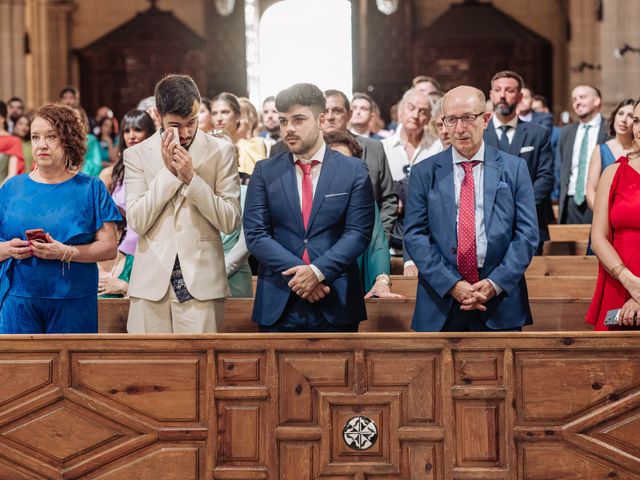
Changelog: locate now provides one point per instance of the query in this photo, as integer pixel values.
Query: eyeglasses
(467, 119)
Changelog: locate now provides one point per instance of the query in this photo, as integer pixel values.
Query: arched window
(305, 41)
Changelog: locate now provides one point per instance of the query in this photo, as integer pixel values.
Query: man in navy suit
(470, 228)
(308, 216)
(526, 140)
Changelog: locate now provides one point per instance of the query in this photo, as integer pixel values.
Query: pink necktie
(307, 198)
(467, 257)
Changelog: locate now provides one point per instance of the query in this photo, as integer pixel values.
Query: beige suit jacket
(172, 218)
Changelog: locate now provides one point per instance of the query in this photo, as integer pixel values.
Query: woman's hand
(381, 290)
(15, 248)
(631, 283)
(53, 250)
(112, 286)
(629, 314)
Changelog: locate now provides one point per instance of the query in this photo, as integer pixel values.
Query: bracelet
(616, 270)
(68, 249)
(384, 278)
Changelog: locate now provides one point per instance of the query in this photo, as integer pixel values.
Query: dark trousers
(300, 316)
(469, 321)
(576, 213)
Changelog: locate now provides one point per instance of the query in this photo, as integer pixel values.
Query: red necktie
(467, 257)
(307, 198)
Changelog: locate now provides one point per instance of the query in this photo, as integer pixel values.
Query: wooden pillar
(12, 35)
(48, 66)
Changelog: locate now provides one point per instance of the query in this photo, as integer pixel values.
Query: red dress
(624, 235)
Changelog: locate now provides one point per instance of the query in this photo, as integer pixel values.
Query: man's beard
(505, 109)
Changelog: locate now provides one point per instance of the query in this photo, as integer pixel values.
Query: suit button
(178, 228)
(454, 250)
(305, 241)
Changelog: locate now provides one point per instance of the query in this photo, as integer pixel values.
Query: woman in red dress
(615, 238)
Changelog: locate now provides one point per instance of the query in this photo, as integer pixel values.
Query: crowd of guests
(179, 202)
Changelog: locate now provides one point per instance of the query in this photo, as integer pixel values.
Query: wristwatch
(384, 278)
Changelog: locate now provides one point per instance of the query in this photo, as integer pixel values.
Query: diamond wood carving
(299, 407)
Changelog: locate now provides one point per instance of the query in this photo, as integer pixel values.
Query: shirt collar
(594, 123)
(526, 118)
(318, 156)
(513, 123)
(478, 157)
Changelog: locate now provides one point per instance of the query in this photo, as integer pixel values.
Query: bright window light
(306, 41)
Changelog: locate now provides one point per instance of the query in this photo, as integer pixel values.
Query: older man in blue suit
(308, 216)
(470, 228)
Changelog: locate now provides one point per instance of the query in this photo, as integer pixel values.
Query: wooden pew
(567, 240)
(544, 406)
(564, 266)
(539, 286)
(388, 315)
(570, 233)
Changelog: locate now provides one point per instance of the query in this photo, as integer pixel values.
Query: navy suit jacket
(532, 143)
(339, 230)
(568, 135)
(543, 119)
(431, 238)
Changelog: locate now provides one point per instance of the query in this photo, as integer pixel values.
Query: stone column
(584, 48)
(49, 24)
(12, 55)
(619, 74)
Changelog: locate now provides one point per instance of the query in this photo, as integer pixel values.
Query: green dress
(376, 258)
(92, 159)
(125, 275)
(28, 155)
(240, 282)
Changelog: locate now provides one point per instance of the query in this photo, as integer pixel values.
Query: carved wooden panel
(346, 407)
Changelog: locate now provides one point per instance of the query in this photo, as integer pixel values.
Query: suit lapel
(492, 172)
(519, 138)
(445, 186)
(197, 150)
(490, 136)
(290, 188)
(329, 167)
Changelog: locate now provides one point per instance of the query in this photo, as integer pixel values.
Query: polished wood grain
(570, 233)
(446, 407)
(384, 315)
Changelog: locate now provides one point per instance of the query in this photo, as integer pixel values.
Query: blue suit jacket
(339, 230)
(431, 238)
(535, 140)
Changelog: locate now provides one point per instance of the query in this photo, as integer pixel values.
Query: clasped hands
(473, 297)
(176, 158)
(21, 249)
(305, 283)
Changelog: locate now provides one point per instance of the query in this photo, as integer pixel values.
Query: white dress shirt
(315, 175)
(397, 155)
(478, 184)
(513, 123)
(575, 157)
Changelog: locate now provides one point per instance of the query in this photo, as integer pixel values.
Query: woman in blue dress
(49, 278)
(620, 129)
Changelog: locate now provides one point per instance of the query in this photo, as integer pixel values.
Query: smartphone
(612, 318)
(36, 235)
(176, 135)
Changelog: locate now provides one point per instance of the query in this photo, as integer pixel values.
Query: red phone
(36, 235)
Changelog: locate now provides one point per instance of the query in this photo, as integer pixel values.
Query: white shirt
(478, 185)
(315, 175)
(399, 163)
(575, 157)
(513, 123)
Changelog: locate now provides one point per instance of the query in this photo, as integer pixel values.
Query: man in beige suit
(180, 192)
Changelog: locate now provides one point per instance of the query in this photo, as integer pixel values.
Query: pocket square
(526, 149)
(503, 185)
(328, 195)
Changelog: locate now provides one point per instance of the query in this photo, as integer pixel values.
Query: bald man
(470, 228)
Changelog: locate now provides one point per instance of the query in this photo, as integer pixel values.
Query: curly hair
(71, 130)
